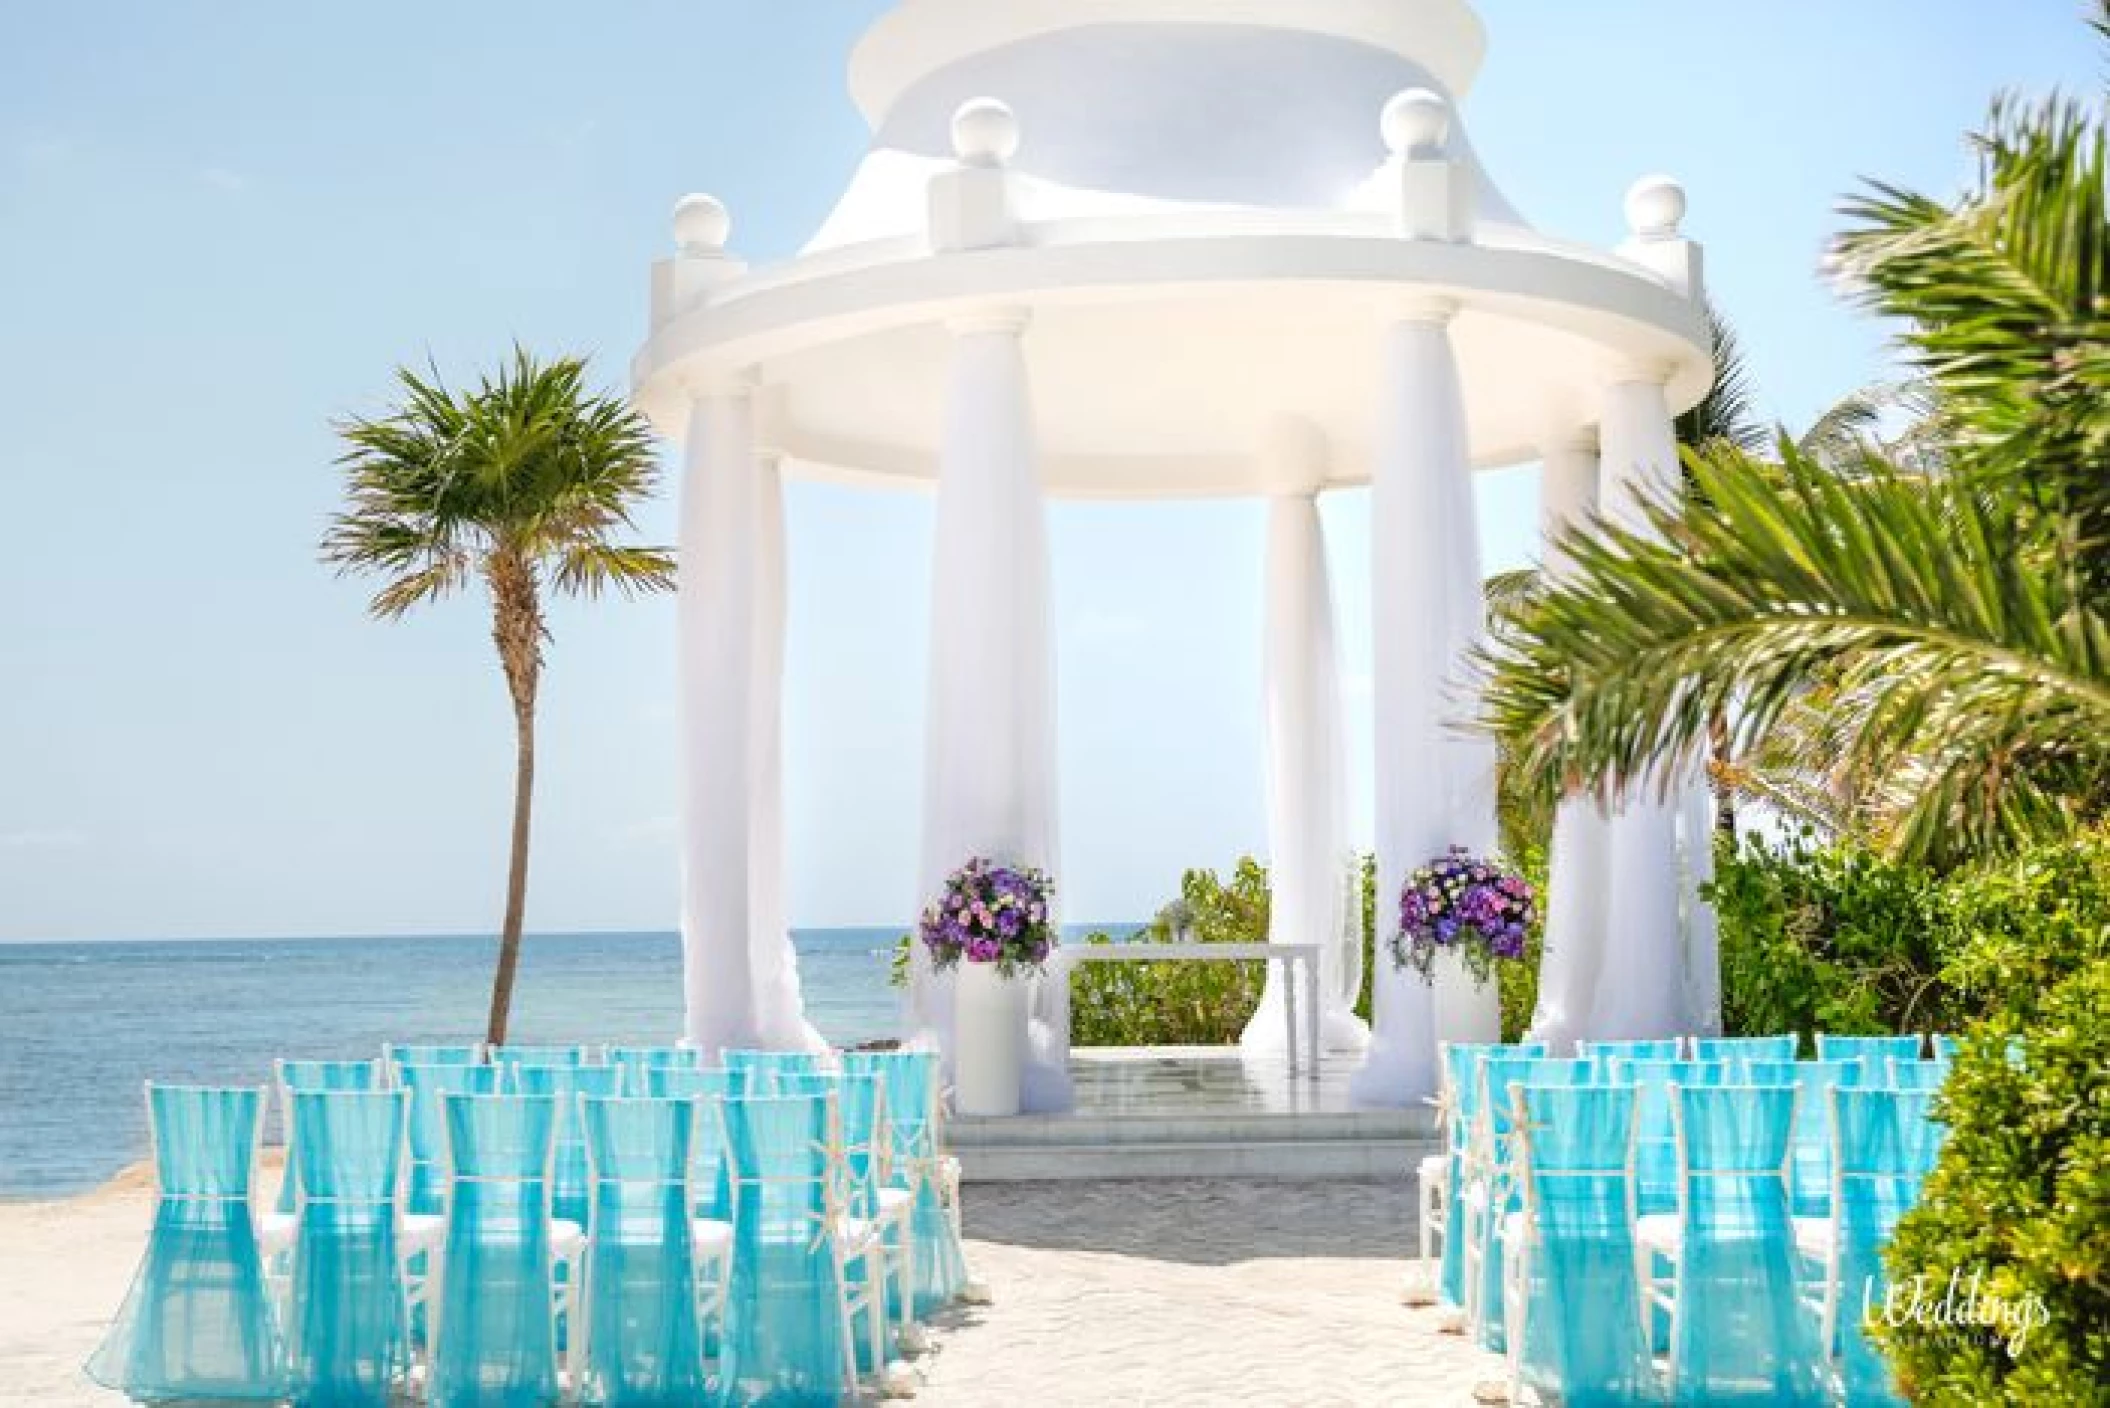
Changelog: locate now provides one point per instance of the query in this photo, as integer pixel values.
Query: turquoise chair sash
(1495, 1138)
(1738, 1051)
(637, 1063)
(1810, 1174)
(914, 1125)
(1887, 1144)
(297, 1076)
(1584, 1341)
(428, 1087)
(1872, 1053)
(197, 1322)
(710, 1186)
(1655, 1133)
(515, 1056)
(1668, 1048)
(1739, 1334)
(415, 1054)
(348, 1328)
(1457, 1113)
(495, 1330)
(566, 1084)
(644, 1343)
(758, 1070)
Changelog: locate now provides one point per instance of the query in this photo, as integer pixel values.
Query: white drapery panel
(1313, 871)
(1642, 985)
(780, 1007)
(1435, 784)
(1703, 958)
(990, 764)
(716, 617)
(1576, 894)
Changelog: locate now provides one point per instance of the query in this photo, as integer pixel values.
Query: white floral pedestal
(989, 1041)
(1465, 1010)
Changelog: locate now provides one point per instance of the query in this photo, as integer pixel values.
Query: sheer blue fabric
(348, 1321)
(1917, 1075)
(1739, 1332)
(788, 1336)
(1496, 1145)
(709, 1183)
(1887, 1145)
(566, 1084)
(428, 1087)
(637, 1063)
(197, 1321)
(1739, 1051)
(1655, 1131)
(1945, 1048)
(1458, 1110)
(758, 1070)
(414, 1054)
(643, 1343)
(1668, 1048)
(914, 1124)
(1872, 1053)
(1583, 1337)
(1810, 1170)
(495, 1333)
(512, 1056)
(297, 1076)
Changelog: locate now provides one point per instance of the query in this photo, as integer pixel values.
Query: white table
(1290, 956)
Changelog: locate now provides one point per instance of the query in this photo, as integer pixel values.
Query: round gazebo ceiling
(1203, 224)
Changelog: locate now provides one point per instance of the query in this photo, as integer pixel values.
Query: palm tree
(1941, 605)
(526, 482)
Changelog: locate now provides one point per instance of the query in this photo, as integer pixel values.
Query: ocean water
(83, 1025)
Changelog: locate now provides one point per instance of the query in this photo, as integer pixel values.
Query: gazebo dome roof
(1130, 106)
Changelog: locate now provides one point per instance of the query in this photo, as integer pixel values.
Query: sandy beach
(1170, 1293)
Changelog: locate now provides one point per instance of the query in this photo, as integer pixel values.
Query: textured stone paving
(1202, 1292)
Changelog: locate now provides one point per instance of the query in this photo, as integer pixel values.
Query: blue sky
(222, 225)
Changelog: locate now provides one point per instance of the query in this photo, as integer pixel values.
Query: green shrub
(2021, 1199)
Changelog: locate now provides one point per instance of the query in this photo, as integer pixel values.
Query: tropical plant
(1949, 626)
(527, 482)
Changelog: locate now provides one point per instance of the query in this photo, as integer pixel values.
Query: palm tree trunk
(516, 876)
(517, 630)
(1724, 791)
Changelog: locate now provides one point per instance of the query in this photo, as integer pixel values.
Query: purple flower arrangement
(1459, 903)
(991, 913)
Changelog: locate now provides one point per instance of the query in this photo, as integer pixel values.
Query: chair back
(1885, 1144)
(1737, 1051)
(494, 1334)
(708, 1090)
(1458, 1113)
(1667, 1048)
(566, 1084)
(759, 1069)
(514, 1057)
(643, 1338)
(1944, 1047)
(1583, 1332)
(1655, 1131)
(914, 1162)
(197, 1322)
(405, 1053)
(1871, 1053)
(637, 1062)
(1917, 1075)
(428, 1086)
(348, 1320)
(861, 1104)
(1810, 1176)
(787, 1328)
(294, 1077)
(1738, 1327)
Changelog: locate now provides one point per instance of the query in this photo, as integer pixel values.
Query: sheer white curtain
(1575, 899)
(780, 1007)
(990, 762)
(716, 616)
(1642, 987)
(1434, 782)
(1313, 871)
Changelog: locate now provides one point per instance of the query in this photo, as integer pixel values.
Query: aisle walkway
(1202, 1292)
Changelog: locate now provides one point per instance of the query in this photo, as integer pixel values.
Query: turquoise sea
(82, 1025)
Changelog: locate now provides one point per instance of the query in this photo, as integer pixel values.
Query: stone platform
(1197, 1112)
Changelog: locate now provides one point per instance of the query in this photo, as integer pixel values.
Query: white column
(1576, 884)
(780, 1007)
(990, 764)
(716, 614)
(1435, 781)
(1641, 980)
(1313, 871)
(1703, 959)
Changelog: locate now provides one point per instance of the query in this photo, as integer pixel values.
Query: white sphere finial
(1655, 205)
(701, 225)
(984, 132)
(1416, 122)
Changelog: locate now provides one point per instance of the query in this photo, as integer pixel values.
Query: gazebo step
(1287, 1159)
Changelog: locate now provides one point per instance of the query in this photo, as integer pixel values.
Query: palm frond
(1726, 414)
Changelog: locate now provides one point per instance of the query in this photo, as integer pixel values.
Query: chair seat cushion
(274, 1232)
(856, 1234)
(1813, 1237)
(1430, 1170)
(713, 1239)
(422, 1231)
(1512, 1232)
(566, 1238)
(895, 1204)
(1658, 1231)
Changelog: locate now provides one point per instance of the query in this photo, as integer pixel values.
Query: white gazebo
(1167, 249)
